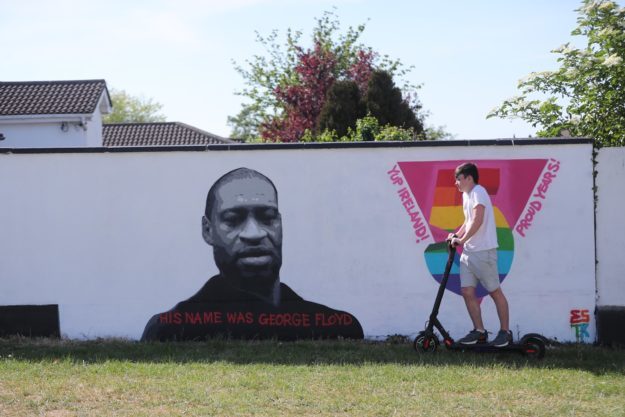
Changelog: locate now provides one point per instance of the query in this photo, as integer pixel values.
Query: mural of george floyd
(290, 241)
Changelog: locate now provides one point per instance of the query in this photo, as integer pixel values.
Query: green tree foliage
(586, 96)
(438, 133)
(282, 102)
(245, 124)
(343, 106)
(384, 101)
(367, 129)
(131, 109)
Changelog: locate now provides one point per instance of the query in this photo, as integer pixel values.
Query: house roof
(157, 134)
(50, 97)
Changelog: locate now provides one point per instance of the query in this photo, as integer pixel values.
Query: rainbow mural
(509, 184)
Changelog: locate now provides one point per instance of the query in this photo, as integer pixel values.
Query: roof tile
(50, 97)
(157, 134)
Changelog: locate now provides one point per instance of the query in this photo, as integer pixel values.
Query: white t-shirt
(486, 236)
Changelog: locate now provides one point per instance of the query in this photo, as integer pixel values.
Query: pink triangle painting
(510, 184)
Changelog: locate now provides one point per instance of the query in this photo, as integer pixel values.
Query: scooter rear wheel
(426, 343)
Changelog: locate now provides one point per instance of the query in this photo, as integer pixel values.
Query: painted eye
(267, 216)
(231, 218)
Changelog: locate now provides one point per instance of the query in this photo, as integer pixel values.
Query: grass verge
(337, 378)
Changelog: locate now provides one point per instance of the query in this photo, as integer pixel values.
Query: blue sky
(468, 55)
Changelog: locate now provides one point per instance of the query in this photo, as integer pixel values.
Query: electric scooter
(531, 345)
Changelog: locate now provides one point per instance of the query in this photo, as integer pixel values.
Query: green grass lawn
(234, 378)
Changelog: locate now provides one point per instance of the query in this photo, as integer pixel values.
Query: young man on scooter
(478, 262)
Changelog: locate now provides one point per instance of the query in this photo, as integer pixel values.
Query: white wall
(114, 238)
(610, 227)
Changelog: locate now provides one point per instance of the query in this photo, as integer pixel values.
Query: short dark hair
(229, 176)
(468, 169)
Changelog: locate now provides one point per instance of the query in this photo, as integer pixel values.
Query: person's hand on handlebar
(453, 240)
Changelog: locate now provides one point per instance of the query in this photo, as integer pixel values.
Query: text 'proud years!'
(538, 197)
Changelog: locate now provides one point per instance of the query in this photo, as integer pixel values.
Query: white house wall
(610, 227)
(114, 238)
(94, 130)
(45, 135)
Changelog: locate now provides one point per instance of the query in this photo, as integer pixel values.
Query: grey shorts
(479, 266)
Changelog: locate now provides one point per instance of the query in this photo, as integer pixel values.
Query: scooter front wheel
(426, 343)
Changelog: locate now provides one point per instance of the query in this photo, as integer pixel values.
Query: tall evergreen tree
(343, 106)
(384, 101)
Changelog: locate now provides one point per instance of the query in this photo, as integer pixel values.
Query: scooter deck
(487, 347)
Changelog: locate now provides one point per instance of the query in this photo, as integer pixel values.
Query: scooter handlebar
(448, 240)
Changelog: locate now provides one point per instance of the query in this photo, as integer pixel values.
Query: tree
(343, 107)
(245, 124)
(367, 129)
(384, 101)
(586, 95)
(286, 88)
(302, 101)
(131, 109)
(437, 133)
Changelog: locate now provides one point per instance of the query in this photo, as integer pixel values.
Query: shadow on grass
(597, 360)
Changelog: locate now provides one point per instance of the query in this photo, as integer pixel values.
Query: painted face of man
(245, 230)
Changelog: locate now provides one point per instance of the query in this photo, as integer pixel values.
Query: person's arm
(473, 227)
(457, 233)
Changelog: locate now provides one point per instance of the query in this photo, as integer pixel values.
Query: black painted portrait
(247, 299)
